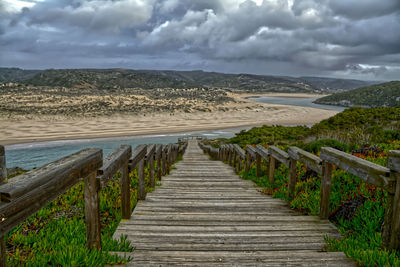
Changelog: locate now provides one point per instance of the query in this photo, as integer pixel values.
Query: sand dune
(13, 131)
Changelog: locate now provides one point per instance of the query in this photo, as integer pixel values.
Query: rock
(347, 210)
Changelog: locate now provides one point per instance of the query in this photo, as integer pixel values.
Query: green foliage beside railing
(56, 234)
(352, 127)
(361, 230)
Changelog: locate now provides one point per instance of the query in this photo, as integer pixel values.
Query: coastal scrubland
(356, 207)
(56, 234)
(379, 95)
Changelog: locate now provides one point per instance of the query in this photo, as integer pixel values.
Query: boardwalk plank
(203, 214)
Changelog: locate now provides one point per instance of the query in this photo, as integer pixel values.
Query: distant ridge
(379, 95)
(151, 79)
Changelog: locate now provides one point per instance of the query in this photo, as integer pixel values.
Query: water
(294, 101)
(32, 155)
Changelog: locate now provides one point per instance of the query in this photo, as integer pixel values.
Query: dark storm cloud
(296, 37)
(356, 9)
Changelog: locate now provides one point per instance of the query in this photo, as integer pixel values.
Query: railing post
(248, 162)
(92, 211)
(3, 252)
(3, 179)
(168, 159)
(164, 161)
(151, 170)
(3, 168)
(394, 222)
(125, 192)
(159, 166)
(292, 178)
(271, 170)
(142, 184)
(258, 165)
(237, 162)
(325, 190)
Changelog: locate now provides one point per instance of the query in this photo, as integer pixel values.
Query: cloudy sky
(336, 38)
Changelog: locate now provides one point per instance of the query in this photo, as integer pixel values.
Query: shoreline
(251, 115)
(286, 95)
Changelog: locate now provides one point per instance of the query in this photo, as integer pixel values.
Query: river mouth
(302, 101)
(36, 154)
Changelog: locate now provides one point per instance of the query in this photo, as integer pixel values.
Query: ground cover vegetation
(378, 95)
(56, 235)
(356, 207)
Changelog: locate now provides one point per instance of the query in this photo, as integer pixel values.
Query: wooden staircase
(205, 215)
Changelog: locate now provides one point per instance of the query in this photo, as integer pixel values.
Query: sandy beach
(247, 113)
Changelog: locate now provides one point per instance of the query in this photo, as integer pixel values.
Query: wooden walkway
(205, 215)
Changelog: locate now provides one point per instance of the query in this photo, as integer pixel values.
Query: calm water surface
(294, 101)
(32, 155)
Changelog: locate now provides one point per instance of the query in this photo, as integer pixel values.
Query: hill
(336, 85)
(16, 74)
(379, 95)
(151, 79)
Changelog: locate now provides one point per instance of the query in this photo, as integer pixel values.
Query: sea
(33, 155)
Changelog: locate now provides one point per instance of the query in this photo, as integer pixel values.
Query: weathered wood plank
(151, 149)
(271, 170)
(311, 161)
(3, 167)
(239, 151)
(92, 211)
(204, 215)
(141, 195)
(252, 151)
(394, 160)
(279, 155)
(325, 190)
(158, 158)
(138, 154)
(263, 152)
(364, 169)
(125, 192)
(164, 160)
(77, 165)
(391, 232)
(3, 252)
(113, 162)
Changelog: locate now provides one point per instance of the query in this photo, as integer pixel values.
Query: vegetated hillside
(379, 95)
(149, 79)
(16, 75)
(337, 85)
(107, 79)
(354, 126)
(357, 207)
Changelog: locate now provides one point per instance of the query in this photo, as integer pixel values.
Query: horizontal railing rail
(27, 193)
(387, 178)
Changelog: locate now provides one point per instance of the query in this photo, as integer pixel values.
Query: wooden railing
(387, 178)
(191, 137)
(27, 193)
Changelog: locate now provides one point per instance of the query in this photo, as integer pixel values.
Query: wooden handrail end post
(391, 234)
(125, 192)
(92, 211)
(325, 190)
